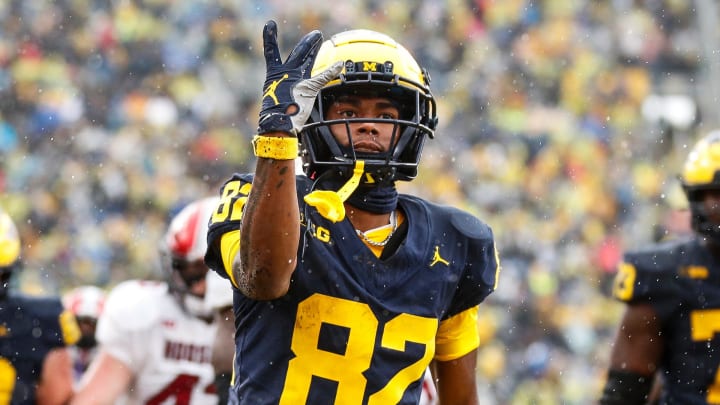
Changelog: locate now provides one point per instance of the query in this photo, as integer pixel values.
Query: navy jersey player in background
(345, 290)
(671, 327)
(35, 332)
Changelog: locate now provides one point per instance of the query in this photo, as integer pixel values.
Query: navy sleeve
(482, 266)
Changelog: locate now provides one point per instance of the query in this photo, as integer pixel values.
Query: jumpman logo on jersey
(437, 258)
(270, 92)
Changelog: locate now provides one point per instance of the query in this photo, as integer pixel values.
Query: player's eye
(346, 113)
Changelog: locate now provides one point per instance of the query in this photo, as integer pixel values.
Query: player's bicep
(639, 342)
(457, 335)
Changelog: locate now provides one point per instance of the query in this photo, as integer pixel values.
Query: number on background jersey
(704, 324)
(624, 284)
(181, 388)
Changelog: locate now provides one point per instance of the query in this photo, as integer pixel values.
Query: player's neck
(364, 220)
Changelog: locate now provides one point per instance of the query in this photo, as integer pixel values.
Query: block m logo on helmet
(369, 66)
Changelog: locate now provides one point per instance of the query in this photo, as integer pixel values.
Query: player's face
(192, 275)
(87, 331)
(711, 204)
(368, 137)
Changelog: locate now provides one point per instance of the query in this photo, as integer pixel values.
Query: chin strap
(330, 203)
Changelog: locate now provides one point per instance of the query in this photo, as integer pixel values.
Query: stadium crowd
(114, 113)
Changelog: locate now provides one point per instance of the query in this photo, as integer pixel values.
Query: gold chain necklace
(393, 224)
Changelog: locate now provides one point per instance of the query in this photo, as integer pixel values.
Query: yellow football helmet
(702, 172)
(375, 65)
(9, 241)
(9, 250)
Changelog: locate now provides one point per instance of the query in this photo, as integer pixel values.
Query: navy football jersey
(354, 329)
(29, 328)
(681, 280)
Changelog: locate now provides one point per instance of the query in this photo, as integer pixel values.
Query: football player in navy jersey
(346, 291)
(35, 332)
(671, 327)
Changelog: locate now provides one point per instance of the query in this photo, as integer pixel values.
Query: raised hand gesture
(289, 92)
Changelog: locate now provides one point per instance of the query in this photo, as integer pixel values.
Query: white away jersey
(168, 350)
(429, 395)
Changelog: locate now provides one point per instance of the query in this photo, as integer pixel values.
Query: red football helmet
(86, 303)
(183, 251)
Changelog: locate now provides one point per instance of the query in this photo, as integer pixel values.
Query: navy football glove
(289, 93)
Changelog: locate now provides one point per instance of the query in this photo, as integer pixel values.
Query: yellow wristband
(278, 148)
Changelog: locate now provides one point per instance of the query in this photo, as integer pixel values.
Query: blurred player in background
(86, 303)
(219, 297)
(345, 290)
(428, 396)
(155, 338)
(671, 328)
(35, 364)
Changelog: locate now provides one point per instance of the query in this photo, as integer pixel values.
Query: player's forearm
(56, 381)
(104, 382)
(270, 231)
(456, 380)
